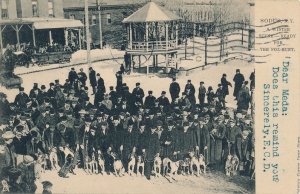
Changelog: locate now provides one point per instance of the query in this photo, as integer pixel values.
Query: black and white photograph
(127, 96)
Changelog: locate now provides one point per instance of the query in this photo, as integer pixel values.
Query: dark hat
(61, 127)
(122, 114)
(159, 123)
(56, 81)
(72, 68)
(98, 74)
(150, 92)
(77, 123)
(130, 123)
(246, 82)
(189, 80)
(63, 118)
(142, 123)
(186, 123)
(163, 92)
(35, 84)
(67, 80)
(21, 89)
(174, 78)
(138, 83)
(219, 85)
(201, 119)
(111, 87)
(43, 87)
(88, 120)
(237, 70)
(171, 123)
(202, 82)
(46, 184)
(19, 128)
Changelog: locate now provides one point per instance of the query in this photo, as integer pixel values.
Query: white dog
(101, 162)
(169, 165)
(157, 166)
(140, 165)
(118, 165)
(53, 158)
(131, 164)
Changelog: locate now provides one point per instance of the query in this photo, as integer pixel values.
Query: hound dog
(101, 162)
(170, 167)
(91, 165)
(40, 166)
(185, 166)
(140, 165)
(202, 163)
(118, 165)
(157, 166)
(53, 158)
(231, 165)
(228, 165)
(194, 164)
(131, 163)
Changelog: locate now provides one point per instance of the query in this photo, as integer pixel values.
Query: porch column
(33, 36)
(176, 35)
(18, 37)
(79, 38)
(147, 36)
(1, 42)
(130, 36)
(50, 38)
(167, 62)
(167, 36)
(66, 37)
(194, 34)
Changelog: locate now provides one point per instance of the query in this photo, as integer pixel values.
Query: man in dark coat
(138, 93)
(113, 96)
(21, 99)
(100, 84)
(129, 144)
(149, 100)
(190, 91)
(152, 149)
(201, 95)
(225, 85)
(72, 75)
(164, 101)
(174, 89)
(185, 141)
(238, 80)
(82, 77)
(93, 80)
(202, 138)
(168, 140)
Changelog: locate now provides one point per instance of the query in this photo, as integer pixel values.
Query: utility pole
(87, 32)
(100, 24)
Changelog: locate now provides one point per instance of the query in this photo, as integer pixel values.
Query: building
(112, 14)
(39, 22)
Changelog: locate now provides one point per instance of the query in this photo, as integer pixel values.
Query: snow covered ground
(211, 76)
(211, 183)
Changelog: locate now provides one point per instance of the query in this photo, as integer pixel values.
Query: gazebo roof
(151, 12)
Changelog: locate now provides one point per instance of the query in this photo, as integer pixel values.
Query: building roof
(44, 23)
(80, 3)
(151, 12)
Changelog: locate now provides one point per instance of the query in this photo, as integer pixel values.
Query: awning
(52, 24)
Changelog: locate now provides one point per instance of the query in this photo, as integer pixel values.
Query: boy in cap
(174, 89)
(47, 187)
(201, 95)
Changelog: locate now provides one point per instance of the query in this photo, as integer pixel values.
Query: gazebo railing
(153, 45)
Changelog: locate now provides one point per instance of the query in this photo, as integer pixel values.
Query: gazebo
(152, 31)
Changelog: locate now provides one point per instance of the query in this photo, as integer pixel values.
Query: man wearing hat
(152, 149)
(168, 140)
(82, 77)
(184, 102)
(4, 107)
(185, 142)
(93, 79)
(28, 176)
(113, 95)
(202, 139)
(138, 93)
(34, 91)
(220, 94)
(149, 100)
(232, 133)
(238, 82)
(190, 91)
(8, 149)
(42, 95)
(21, 99)
(72, 75)
(174, 89)
(202, 94)
(164, 101)
(243, 150)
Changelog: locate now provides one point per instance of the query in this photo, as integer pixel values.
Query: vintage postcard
(149, 96)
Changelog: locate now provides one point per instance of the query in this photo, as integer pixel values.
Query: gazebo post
(33, 36)
(176, 35)
(66, 37)
(1, 41)
(167, 36)
(18, 37)
(194, 34)
(79, 37)
(50, 37)
(147, 36)
(130, 35)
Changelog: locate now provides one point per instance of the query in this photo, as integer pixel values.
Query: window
(34, 8)
(4, 11)
(50, 8)
(94, 19)
(108, 18)
(72, 16)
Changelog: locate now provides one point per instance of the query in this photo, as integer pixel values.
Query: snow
(211, 76)
(84, 183)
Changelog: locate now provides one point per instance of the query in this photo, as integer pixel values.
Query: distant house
(112, 14)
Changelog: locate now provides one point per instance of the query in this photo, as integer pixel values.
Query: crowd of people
(119, 123)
